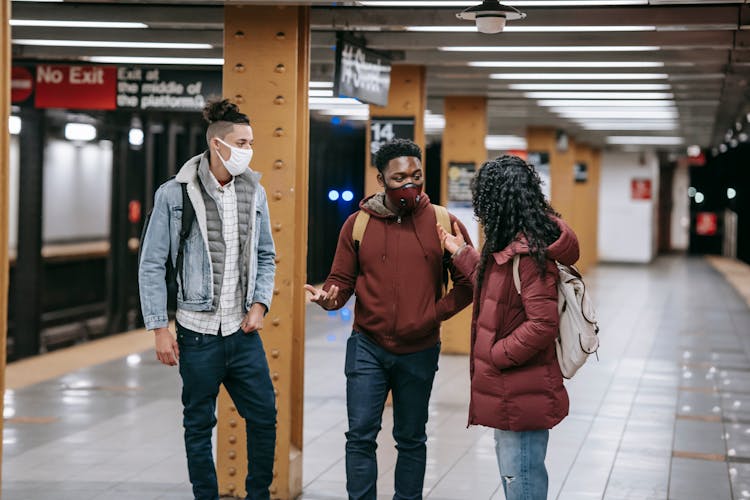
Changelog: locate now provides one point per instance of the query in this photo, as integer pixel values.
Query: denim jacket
(195, 282)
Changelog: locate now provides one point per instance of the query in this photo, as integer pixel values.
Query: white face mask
(239, 158)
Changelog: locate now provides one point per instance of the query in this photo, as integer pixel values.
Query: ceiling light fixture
(589, 86)
(579, 76)
(645, 140)
(198, 61)
(598, 95)
(490, 16)
(43, 23)
(533, 29)
(112, 44)
(603, 103)
(553, 48)
(566, 64)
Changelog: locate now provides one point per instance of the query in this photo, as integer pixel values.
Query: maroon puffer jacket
(516, 382)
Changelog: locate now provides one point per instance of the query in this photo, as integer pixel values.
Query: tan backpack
(443, 218)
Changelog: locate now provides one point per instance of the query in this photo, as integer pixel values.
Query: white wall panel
(627, 227)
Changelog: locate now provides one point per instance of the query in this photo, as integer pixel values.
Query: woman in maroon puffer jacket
(516, 384)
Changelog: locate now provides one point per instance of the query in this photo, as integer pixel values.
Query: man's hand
(253, 320)
(326, 300)
(450, 242)
(167, 350)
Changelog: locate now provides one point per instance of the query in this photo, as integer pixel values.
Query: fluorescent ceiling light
(345, 111)
(553, 48)
(321, 85)
(335, 101)
(75, 24)
(516, 3)
(112, 44)
(320, 93)
(628, 126)
(531, 29)
(14, 125)
(579, 76)
(566, 64)
(647, 139)
(596, 103)
(598, 95)
(80, 132)
(589, 86)
(504, 142)
(624, 114)
(199, 61)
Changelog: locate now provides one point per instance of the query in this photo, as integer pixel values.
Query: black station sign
(361, 73)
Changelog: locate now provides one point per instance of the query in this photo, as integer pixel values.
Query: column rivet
(277, 227)
(239, 68)
(280, 35)
(239, 34)
(232, 439)
(278, 195)
(276, 321)
(279, 132)
(279, 100)
(278, 164)
(275, 353)
(280, 68)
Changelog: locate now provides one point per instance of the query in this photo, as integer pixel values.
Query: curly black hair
(224, 111)
(508, 202)
(222, 116)
(396, 149)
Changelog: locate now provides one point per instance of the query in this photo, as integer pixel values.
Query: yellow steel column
(266, 72)
(578, 205)
(586, 205)
(4, 167)
(463, 142)
(407, 97)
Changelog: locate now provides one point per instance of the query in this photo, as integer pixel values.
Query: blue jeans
(239, 362)
(520, 456)
(371, 372)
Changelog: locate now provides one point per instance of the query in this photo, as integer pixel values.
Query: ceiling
(675, 72)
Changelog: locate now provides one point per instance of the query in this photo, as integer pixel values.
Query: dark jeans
(370, 372)
(239, 362)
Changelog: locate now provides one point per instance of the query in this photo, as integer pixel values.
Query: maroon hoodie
(516, 382)
(397, 276)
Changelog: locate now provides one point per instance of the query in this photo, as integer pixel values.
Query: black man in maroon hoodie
(397, 274)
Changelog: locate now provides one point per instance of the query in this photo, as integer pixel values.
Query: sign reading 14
(382, 132)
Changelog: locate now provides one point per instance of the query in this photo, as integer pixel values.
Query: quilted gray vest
(245, 191)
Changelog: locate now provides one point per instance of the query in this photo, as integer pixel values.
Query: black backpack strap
(188, 216)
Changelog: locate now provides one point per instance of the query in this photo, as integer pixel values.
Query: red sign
(76, 87)
(134, 211)
(706, 224)
(21, 84)
(640, 189)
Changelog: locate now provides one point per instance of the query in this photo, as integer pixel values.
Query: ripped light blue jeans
(520, 457)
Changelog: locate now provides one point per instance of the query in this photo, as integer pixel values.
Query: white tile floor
(648, 420)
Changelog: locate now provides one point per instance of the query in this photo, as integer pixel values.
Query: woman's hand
(450, 242)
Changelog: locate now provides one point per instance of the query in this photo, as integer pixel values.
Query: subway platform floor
(663, 414)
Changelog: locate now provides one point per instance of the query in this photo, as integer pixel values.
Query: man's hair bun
(224, 111)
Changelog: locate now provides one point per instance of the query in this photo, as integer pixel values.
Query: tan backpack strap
(516, 275)
(360, 223)
(444, 219)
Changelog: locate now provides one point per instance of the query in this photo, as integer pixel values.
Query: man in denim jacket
(224, 290)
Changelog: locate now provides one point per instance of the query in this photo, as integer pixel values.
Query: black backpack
(188, 216)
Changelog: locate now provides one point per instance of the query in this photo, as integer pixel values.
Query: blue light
(347, 195)
(336, 120)
(346, 314)
(333, 195)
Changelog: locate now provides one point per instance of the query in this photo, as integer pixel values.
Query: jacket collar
(375, 205)
(189, 171)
